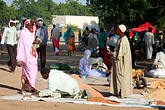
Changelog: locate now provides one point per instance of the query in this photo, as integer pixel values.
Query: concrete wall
(80, 21)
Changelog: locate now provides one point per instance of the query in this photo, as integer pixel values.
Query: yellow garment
(161, 36)
(137, 73)
(121, 79)
(87, 32)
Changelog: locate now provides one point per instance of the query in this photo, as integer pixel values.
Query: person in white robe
(158, 67)
(159, 61)
(121, 76)
(59, 84)
(149, 42)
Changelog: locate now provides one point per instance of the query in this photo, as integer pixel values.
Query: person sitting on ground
(61, 84)
(159, 61)
(87, 70)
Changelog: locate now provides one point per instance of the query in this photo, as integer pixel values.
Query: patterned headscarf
(27, 22)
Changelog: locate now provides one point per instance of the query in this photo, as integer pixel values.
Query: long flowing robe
(69, 38)
(85, 69)
(159, 61)
(92, 42)
(149, 41)
(56, 36)
(121, 79)
(28, 56)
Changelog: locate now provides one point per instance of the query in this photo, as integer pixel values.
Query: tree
(46, 8)
(129, 12)
(114, 12)
(7, 13)
(71, 7)
(157, 13)
(34, 10)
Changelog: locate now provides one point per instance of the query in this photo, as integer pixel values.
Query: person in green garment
(102, 48)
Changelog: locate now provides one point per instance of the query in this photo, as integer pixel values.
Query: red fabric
(27, 22)
(106, 58)
(24, 78)
(56, 42)
(130, 34)
(144, 27)
(73, 47)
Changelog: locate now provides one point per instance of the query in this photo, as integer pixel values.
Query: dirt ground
(10, 84)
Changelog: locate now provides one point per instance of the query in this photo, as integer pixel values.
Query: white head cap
(87, 54)
(57, 25)
(18, 26)
(122, 28)
(23, 18)
(14, 21)
(39, 19)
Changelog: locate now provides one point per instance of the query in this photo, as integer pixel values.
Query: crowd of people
(24, 43)
(119, 50)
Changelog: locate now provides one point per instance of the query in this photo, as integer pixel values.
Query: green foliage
(34, 10)
(74, 28)
(129, 12)
(132, 13)
(71, 7)
(7, 13)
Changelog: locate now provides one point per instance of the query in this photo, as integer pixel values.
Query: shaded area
(4, 69)
(9, 87)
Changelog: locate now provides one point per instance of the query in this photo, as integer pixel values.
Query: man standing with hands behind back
(121, 79)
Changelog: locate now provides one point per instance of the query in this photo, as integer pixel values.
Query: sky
(83, 2)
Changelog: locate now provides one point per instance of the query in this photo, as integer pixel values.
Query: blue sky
(9, 2)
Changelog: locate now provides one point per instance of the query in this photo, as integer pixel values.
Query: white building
(81, 21)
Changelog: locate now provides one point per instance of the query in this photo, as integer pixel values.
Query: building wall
(80, 21)
(59, 19)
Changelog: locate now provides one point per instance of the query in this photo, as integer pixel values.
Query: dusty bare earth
(10, 84)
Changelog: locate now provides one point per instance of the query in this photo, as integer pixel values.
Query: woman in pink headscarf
(26, 53)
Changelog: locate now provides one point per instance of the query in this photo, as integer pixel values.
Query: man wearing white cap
(42, 34)
(9, 34)
(121, 79)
